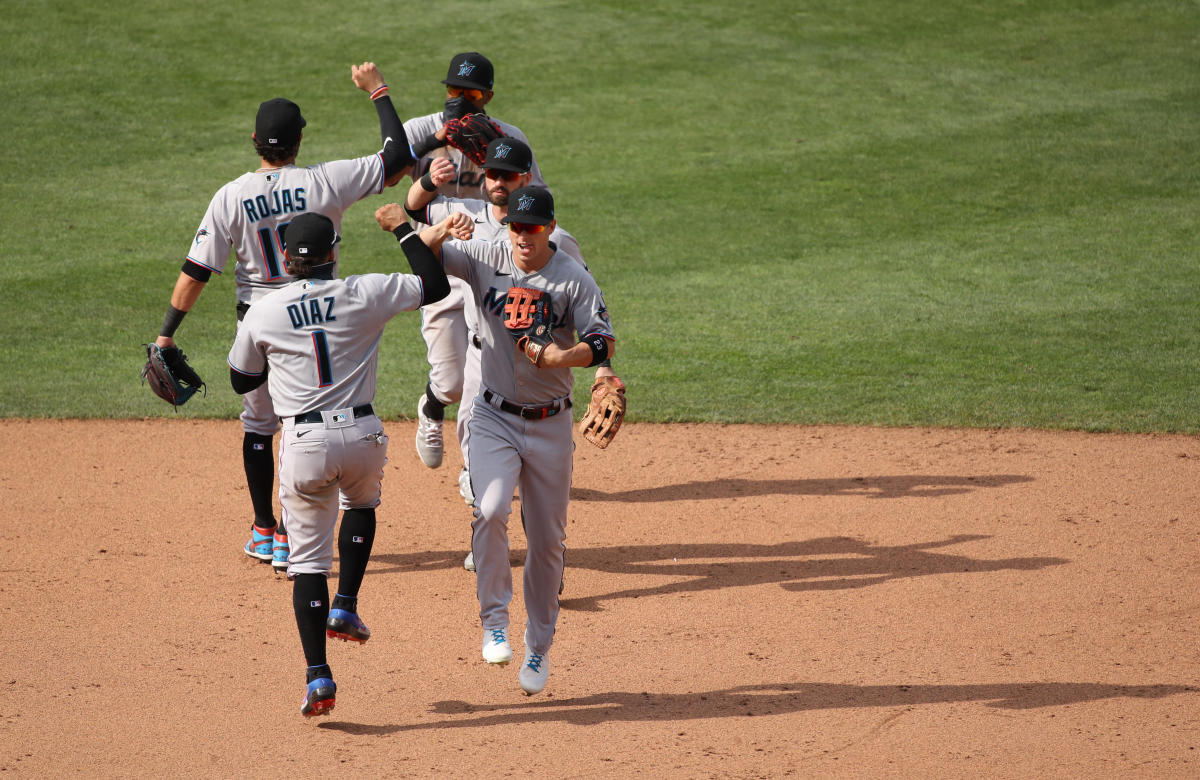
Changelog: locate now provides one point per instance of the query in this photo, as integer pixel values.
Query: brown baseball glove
(471, 135)
(605, 411)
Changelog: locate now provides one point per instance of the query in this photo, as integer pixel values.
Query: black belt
(528, 412)
(476, 342)
(242, 308)
(363, 410)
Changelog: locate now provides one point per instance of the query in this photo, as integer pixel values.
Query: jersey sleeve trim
(206, 267)
(243, 373)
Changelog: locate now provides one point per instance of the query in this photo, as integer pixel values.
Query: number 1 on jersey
(321, 348)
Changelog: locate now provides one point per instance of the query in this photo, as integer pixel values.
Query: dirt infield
(741, 601)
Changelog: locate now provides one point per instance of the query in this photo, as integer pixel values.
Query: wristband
(171, 321)
(427, 183)
(380, 92)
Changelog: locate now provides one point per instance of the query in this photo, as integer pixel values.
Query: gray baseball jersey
(321, 338)
(578, 305)
(468, 181)
(246, 215)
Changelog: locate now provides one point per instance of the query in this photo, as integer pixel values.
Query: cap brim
(527, 220)
(465, 83)
(504, 166)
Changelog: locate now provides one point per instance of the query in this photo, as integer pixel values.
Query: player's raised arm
(421, 259)
(425, 189)
(397, 155)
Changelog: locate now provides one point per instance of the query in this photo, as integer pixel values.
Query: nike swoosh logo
(387, 140)
(480, 221)
(302, 433)
(501, 273)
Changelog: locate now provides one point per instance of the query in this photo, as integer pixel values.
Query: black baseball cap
(471, 70)
(309, 235)
(278, 122)
(531, 205)
(509, 154)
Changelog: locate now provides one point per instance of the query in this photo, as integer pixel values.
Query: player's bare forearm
(441, 170)
(183, 298)
(578, 356)
(456, 225)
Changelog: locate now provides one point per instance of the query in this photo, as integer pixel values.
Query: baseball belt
(364, 410)
(528, 412)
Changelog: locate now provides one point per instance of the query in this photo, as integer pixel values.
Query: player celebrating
(249, 215)
(521, 428)
(315, 343)
(507, 168)
(469, 82)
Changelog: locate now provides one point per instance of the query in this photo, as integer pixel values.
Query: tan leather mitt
(605, 411)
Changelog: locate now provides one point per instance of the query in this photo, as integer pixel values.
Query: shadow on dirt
(911, 486)
(830, 563)
(760, 700)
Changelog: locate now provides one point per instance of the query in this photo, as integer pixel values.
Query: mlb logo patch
(356, 539)
(314, 604)
(339, 418)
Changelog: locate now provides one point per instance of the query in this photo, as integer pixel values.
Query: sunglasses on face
(525, 227)
(502, 175)
(474, 95)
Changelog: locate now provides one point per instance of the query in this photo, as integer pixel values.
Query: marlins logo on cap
(502, 151)
(525, 203)
(465, 68)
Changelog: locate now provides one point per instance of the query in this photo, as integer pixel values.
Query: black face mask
(458, 107)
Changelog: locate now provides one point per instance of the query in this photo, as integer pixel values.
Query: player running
(248, 216)
(507, 168)
(314, 342)
(521, 425)
(469, 81)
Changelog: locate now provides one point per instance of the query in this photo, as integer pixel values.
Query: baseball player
(469, 82)
(507, 168)
(521, 425)
(248, 216)
(315, 343)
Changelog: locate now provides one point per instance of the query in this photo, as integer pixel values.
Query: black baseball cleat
(346, 626)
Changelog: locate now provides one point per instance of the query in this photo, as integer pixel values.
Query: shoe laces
(535, 661)
(498, 635)
(431, 431)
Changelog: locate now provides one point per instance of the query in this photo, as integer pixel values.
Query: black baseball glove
(529, 318)
(471, 135)
(169, 375)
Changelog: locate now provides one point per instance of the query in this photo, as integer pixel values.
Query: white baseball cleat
(429, 437)
(496, 649)
(469, 563)
(535, 670)
(464, 487)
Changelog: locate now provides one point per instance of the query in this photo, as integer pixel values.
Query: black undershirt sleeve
(243, 383)
(396, 154)
(424, 264)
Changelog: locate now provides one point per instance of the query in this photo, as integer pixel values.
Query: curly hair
(276, 154)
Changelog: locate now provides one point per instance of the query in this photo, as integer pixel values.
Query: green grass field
(963, 214)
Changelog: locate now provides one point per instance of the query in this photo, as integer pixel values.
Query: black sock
(260, 477)
(310, 600)
(355, 538)
(345, 602)
(315, 672)
(434, 409)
